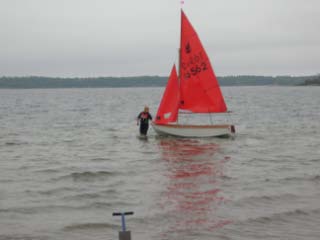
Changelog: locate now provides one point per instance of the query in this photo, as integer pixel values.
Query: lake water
(71, 157)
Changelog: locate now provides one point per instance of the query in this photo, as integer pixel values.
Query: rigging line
(229, 117)
(210, 117)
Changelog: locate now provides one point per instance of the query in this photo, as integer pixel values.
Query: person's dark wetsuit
(144, 118)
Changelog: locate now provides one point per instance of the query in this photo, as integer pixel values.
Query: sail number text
(194, 65)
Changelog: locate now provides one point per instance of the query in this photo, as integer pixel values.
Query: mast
(179, 67)
(180, 56)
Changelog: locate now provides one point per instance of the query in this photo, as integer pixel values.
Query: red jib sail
(199, 87)
(168, 109)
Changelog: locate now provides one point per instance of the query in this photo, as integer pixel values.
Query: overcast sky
(141, 37)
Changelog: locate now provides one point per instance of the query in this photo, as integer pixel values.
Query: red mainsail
(168, 109)
(199, 87)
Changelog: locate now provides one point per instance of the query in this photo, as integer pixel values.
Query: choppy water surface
(71, 157)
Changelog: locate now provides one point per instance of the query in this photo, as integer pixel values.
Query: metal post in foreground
(124, 234)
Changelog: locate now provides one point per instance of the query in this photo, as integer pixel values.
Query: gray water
(70, 157)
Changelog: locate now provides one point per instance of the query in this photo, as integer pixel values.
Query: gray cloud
(141, 37)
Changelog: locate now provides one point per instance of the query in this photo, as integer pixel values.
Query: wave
(6, 180)
(100, 159)
(49, 170)
(226, 178)
(90, 226)
(308, 178)
(83, 196)
(64, 208)
(37, 209)
(280, 201)
(22, 237)
(288, 216)
(265, 198)
(95, 195)
(15, 143)
(88, 176)
(111, 129)
(106, 204)
(311, 178)
(56, 191)
(315, 160)
(91, 175)
(80, 110)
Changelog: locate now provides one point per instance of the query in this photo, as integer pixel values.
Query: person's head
(146, 109)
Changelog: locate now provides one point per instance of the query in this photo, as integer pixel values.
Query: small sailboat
(194, 90)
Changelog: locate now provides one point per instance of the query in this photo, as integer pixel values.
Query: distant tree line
(99, 82)
(141, 81)
(314, 81)
(252, 80)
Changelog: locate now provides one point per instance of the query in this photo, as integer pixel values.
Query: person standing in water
(144, 118)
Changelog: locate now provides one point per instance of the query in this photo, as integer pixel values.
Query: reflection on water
(193, 193)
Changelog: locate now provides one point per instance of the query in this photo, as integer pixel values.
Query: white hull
(194, 130)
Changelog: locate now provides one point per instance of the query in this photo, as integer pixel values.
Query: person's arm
(150, 117)
(138, 118)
